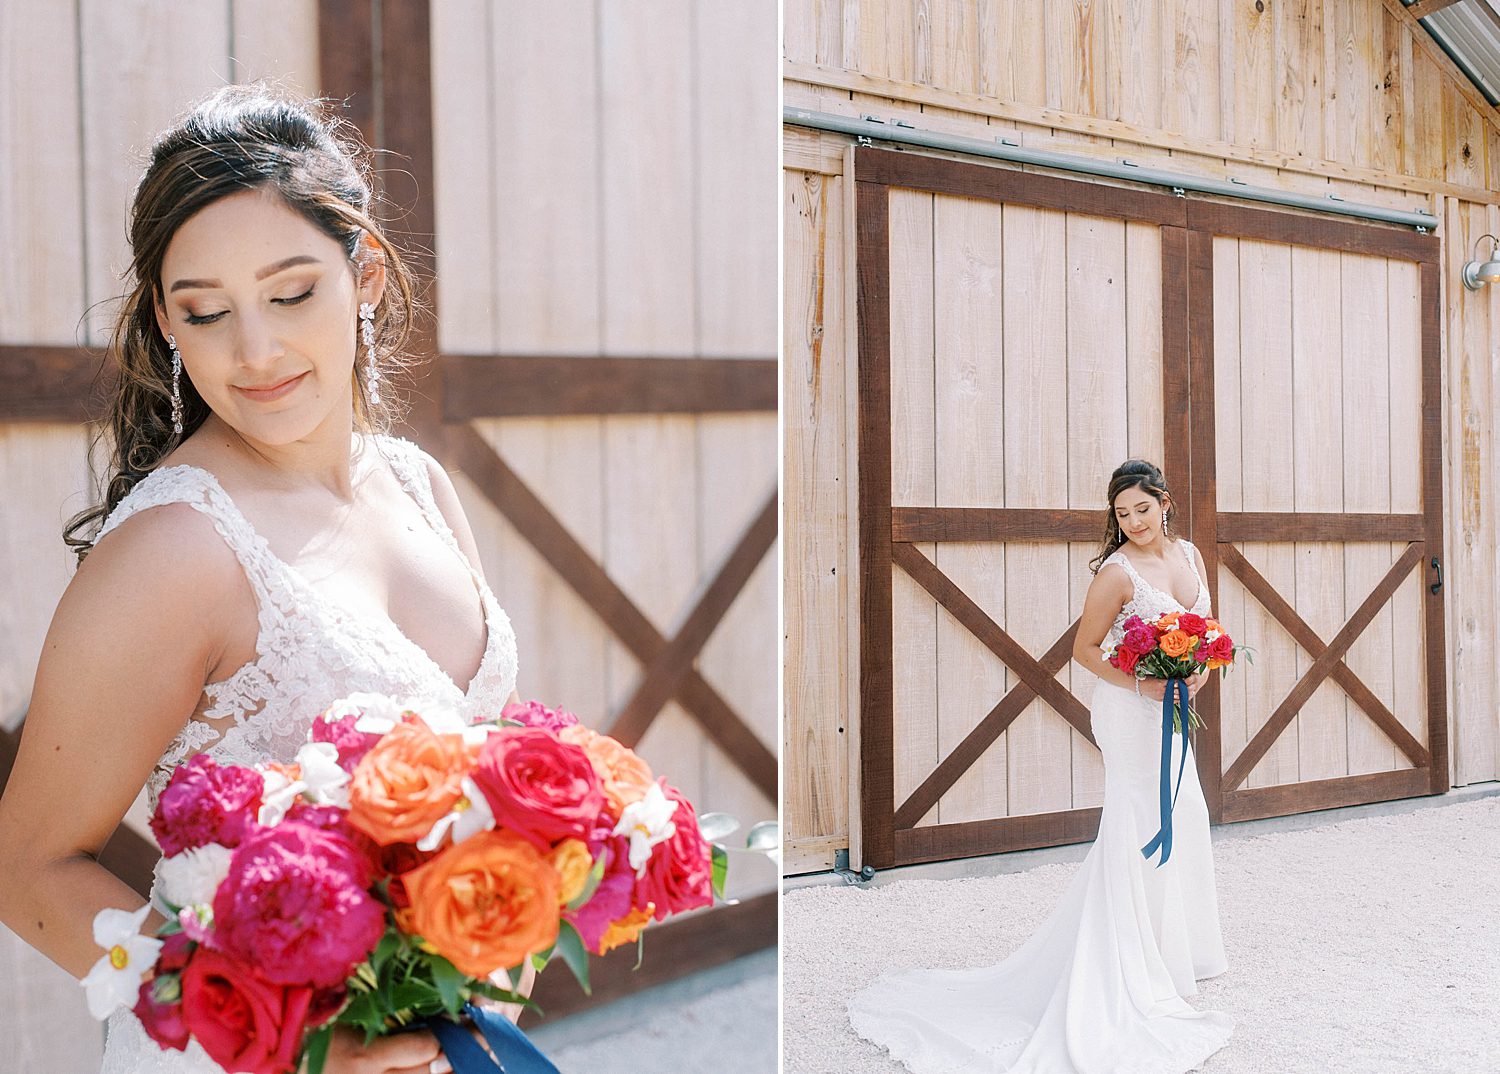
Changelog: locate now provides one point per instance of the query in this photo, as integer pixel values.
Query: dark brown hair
(241, 137)
(1132, 473)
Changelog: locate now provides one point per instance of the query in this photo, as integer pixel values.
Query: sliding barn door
(1012, 355)
(1316, 438)
(1022, 335)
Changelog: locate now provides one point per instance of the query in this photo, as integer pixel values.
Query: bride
(1100, 987)
(264, 548)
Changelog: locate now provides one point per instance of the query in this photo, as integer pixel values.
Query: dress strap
(200, 490)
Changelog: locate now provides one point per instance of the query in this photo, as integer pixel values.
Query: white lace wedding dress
(310, 652)
(1099, 987)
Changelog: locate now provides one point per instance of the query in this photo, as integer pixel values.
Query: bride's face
(1140, 515)
(264, 308)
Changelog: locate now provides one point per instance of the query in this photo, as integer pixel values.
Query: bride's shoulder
(165, 544)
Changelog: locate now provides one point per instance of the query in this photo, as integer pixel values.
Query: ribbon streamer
(1163, 837)
(516, 1052)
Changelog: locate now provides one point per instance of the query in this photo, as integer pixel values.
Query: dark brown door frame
(887, 532)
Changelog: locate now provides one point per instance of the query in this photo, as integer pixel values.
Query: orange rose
(1176, 643)
(486, 903)
(572, 861)
(1169, 620)
(626, 929)
(407, 783)
(1213, 624)
(626, 778)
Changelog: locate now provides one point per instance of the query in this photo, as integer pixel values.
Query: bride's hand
(416, 1052)
(1153, 687)
(1195, 682)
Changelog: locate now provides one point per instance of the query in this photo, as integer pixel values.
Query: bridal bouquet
(1173, 646)
(400, 868)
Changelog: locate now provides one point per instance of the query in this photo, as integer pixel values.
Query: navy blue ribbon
(1163, 837)
(516, 1052)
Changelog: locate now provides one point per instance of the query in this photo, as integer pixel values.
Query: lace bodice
(1147, 601)
(310, 652)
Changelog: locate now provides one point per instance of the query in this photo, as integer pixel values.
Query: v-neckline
(1197, 594)
(342, 609)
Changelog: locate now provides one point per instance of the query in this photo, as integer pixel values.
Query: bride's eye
(207, 318)
(303, 297)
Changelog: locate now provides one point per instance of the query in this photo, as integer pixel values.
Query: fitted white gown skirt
(1099, 987)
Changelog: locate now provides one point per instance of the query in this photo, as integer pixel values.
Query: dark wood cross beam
(1422, 8)
(1328, 660)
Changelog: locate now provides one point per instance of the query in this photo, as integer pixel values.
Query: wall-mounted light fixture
(1478, 273)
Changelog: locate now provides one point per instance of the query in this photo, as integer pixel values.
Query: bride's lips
(274, 392)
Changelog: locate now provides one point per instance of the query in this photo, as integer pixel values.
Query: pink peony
(535, 714)
(206, 803)
(243, 1022)
(1133, 622)
(679, 872)
(351, 744)
(1140, 640)
(294, 904)
(544, 789)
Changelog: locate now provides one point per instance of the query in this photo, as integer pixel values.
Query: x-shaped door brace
(1037, 681)
(1328, 660)
(667, 666)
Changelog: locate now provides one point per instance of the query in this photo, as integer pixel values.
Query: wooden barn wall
(605, 185)
(1341, 97)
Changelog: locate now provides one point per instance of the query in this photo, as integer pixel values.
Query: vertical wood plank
(1408, 653)
(1321, 466)
(276, 39)
(913, 482)
(815, 733)
(1190, 84)
(1298, 71)
(971, 469)
(1253, 46)
(1368, 364)
(1268, 484)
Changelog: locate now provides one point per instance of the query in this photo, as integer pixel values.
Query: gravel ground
(1366, 946)
(721, 1020)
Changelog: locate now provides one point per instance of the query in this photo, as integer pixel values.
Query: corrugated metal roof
(1469, 31)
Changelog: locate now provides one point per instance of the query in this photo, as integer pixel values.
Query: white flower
(191, 878)
(1211, 635)
(115, 980)
(647, 821)
(377, 713)
(469, 816)
(322, 778)
(277, 796)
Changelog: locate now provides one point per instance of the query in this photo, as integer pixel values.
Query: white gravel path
(1369, 946)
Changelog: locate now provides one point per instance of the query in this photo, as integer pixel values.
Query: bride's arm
(1107, 594)
(122, 667)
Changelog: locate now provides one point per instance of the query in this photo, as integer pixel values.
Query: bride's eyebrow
(269, 270)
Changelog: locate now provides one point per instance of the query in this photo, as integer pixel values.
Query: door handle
(1439, 568)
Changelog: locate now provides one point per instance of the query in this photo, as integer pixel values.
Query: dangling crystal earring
(176, 384)
(367, 333)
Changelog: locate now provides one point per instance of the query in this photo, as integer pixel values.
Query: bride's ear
(369, 263)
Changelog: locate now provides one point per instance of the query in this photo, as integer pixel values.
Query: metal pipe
(903, 133)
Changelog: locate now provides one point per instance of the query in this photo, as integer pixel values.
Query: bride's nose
(257, 346)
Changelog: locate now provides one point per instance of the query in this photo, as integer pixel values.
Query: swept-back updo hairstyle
(1132, 473)
(240, 137)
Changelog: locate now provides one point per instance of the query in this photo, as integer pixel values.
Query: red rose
(1193, 624)
(679, 872)
(243, 1023)
(538, 786)
(1221, 648)
(1126, 659)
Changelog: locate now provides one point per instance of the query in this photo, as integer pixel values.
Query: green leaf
(540, 959)
(385, 950)
(316, 1049)
(764, 836)
(449, 980)
(590, 885)
(720, 869)
(417, 994)
(715, 826)
(364, 1012)
(570, 948)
